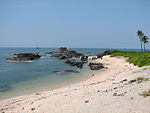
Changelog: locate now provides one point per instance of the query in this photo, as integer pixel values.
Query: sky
(73, 23)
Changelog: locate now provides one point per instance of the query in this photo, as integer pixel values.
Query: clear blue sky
(73, 23)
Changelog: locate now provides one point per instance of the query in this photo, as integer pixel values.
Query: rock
(63, 57)
(87, 101)
(24, 57)
(60, 56)
(63, 49)
(72, 53)
(50, 52)
(32, 109)
(74, 63)
(123, 81)
(84, 58)
(107, 52)
(94, 58)
(57, 55)
(67, 71)
(132, 81)
(66, 53)
(96, 66)
(115, 94)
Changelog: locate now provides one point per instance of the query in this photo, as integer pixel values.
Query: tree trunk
(141, 47)
(144, 47)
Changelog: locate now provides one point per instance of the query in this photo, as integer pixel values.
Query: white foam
(18, 61)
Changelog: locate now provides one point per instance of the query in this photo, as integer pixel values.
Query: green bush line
(137, 58)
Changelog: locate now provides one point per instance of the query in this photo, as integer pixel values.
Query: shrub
(137, 58)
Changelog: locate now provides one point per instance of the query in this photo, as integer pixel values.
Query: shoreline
(45, 89)
(63, 85)
(78, 96)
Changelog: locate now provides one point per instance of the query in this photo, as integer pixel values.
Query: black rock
(56, 55)
(107, 52)
(63, 49)
(74, 63)
(24, 57)
(96, 66)
(72, 53)
(67, 71)
(84, 59)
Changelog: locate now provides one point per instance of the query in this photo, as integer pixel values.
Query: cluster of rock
(24, 57)
(65, 54)
(70, 57)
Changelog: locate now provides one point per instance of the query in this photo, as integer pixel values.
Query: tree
(145, 41)
(140, 34)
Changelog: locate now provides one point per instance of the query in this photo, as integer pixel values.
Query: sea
(20, 78)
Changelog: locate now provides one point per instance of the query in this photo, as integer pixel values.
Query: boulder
(65, 52)
(84, 59)
(74, 63)
(56, 55)
(63, 49)
(63, 57)
(59, 56)
(50, 52)
(72, 53)
(24, 57)
(96, 66)
(66, 71)
(107, 52)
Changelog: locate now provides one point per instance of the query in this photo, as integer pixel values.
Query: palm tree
(140, 34)
(145, 41)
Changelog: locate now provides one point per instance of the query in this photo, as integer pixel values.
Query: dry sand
(105, 92)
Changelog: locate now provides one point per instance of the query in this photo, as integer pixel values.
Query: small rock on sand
(87, 101)
(32, 109)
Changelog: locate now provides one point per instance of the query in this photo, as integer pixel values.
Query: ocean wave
(42, 57)
(19, 61)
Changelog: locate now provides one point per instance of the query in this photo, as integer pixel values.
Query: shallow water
(18, 78)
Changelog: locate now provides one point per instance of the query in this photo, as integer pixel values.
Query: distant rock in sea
(24, 57)
(65, 54)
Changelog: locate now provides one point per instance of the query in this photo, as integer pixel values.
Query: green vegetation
(137, 58)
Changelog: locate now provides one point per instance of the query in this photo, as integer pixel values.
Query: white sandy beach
(106, 92)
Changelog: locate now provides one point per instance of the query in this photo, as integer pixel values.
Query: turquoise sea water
(18, 78)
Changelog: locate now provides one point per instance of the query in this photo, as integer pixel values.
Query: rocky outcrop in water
(75, 63)
(84, 59)
(72, 53)
(24, 57)
(65, 54)
(96, 66)
(63, 51)
(60, 50)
